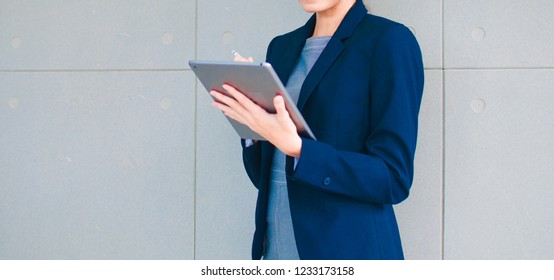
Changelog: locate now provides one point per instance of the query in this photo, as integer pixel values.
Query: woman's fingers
(228, 111)
(277, 128)
(242, 59)
(282, 113)
(222, 98)
(229, 106)
(238, 106)
(246, 102)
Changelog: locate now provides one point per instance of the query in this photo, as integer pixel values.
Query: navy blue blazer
(361, 100)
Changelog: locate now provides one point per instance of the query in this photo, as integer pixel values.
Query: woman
(358, 81)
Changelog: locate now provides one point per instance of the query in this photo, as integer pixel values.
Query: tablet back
(258, 81)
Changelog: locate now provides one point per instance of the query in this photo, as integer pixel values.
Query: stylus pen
(236, 54)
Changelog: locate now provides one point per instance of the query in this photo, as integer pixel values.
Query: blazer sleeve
(383, 173)
(251, 158)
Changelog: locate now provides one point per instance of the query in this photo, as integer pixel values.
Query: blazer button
(327, 181)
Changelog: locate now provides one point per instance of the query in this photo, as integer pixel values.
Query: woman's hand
(239, 58)
(277, 128)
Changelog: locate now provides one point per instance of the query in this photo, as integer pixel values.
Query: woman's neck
(328, 21)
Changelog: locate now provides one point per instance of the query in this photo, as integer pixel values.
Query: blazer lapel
(331, 51)
(327, 57)
(288, 57)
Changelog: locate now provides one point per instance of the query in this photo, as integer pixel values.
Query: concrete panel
(420, 216)
(96, 165)
(492, 34)
(126, 34)
(498, 169)
(246, 26)
(424, 18)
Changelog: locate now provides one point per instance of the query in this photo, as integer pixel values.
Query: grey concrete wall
(109, 148)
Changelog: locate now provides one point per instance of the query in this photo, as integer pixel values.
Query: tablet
(258, 81)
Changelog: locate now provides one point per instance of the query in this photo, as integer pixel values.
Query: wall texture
(109, 148)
